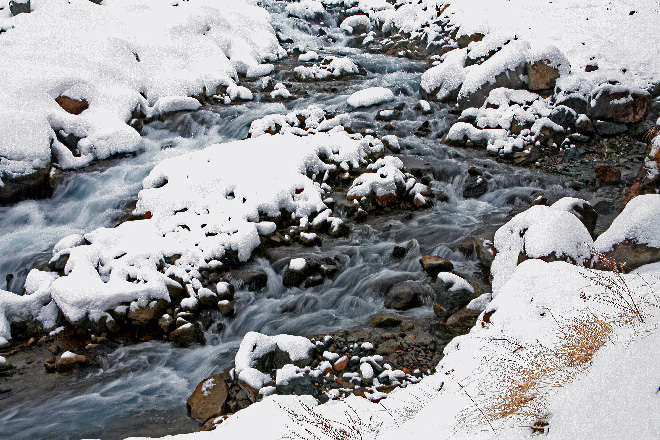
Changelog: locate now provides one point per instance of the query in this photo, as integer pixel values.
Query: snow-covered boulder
(443, 81)
(504, 69)
(541, 232)
(370, 96)
(633, 238)
(545, 67)
(618, 104)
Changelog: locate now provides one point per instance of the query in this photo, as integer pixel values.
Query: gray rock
(449, 299)
(608, 129)
(407, 295)
(254, 279)
(575, 101)
(299, 386)
(512, 78)
(19, 7)
(475, 184)
(563, 115)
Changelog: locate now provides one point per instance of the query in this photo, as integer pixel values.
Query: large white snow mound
(370, 96)
(119, 56)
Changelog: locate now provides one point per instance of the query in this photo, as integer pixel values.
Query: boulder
(618, 104)
(475, 184)
(462, 321)
(629, 255)
(607, 173)
(451, 294)
(564, 116)
(434, 265)
(609, 129)
(209, 398)
(254, 279)
(299, 386)
(576, 101)
(146, 314)
(19, 7)
(33, 184)
(542, 75)
(187, 335)
(407, 295)
(507, 68)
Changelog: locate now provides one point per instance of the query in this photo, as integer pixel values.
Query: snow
(207, 386)
(457, 283)
(117, 58)
(297, 264)
(351, 22)
(280, 91)
(331, 67)
(370, 96)
(638, 222)
(446, 77)
(305, 9)
(169, 104)
(540, 231)
(286, 373)
(219, 211)
(309, 56)
(68, 355)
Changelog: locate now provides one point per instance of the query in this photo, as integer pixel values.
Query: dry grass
(527, 375)
(651, 133)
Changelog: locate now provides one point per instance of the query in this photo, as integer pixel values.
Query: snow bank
(199, 207)
(118, 58)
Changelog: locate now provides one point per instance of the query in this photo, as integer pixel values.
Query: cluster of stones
(339, 365)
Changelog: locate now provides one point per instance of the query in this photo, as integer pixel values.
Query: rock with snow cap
(618, 104)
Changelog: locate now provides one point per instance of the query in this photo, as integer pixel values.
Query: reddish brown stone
(615, 104)
(73, 106)
(607, 173)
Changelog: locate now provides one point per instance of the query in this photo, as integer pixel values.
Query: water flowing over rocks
(369, 203)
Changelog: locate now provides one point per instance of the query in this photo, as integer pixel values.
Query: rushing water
(141, 389)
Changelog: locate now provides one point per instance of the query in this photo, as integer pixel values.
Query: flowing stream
(142, 389)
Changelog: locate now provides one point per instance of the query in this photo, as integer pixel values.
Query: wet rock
(73, 106)
(398, 252)
(609, 129)
(254, 279)
(209, 398)
(34, 184)
(434, 265)
(146, 314)
(542, 75)
(207, 297)
(5, 367)
(69, 362)
(607, 173)
(618, 104)
(463, 41)
(187, 335)
(451, 294)
(226, 308)
(407, 295)
(475, 184)
(385, 321)
(166, 322)
(588, 216)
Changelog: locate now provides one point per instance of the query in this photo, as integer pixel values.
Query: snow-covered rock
(370, 96)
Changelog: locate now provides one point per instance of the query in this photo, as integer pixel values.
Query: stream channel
(141, 389)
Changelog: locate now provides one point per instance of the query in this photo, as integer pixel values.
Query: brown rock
(388, 347)
(383, 321)
(617, 104)
(73, 106)
(629, 255)
(68, 364)
(434, 265)
(462, 321)
(186, 335)
(209, 398)
(607, 173)
(341, 364)
(146, 314)
(541, 75)
(226, 308)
